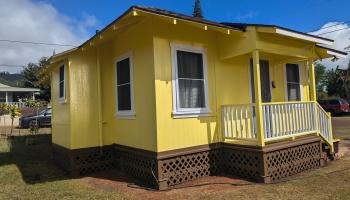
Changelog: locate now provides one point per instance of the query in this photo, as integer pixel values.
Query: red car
(335, 106)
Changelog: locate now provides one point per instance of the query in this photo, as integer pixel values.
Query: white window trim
(188, 112)
(300, 81)
(125, 114)
(62, 99)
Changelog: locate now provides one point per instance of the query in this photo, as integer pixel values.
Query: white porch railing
(18, 104)
(324, 123)
(239, 121)
(280, 121)
(288, 119)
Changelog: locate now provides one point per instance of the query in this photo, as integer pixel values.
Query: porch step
(327, 149)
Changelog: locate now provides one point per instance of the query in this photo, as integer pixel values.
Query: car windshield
(343, 101)
(334, 102)
(47, 111)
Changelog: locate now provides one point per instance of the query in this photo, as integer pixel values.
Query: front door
(265, 81)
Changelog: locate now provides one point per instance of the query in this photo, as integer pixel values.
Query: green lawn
(330, 182)
(27, 172)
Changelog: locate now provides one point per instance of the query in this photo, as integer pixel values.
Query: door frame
(250, 77)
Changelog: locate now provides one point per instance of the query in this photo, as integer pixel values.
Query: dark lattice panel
(61, 157)
(286, 162)
(243, 163)
(189, 167)
(140, 167)
(93, 161)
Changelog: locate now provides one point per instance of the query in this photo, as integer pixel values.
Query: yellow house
(169, 98)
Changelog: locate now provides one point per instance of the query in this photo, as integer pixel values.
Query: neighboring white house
(16, 95)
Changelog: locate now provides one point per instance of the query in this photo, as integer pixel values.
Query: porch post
(313, 96)
(258, 100)
(7, 97)
(33, 97)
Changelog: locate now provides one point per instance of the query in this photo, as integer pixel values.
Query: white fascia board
(336, 54)
(303, 37)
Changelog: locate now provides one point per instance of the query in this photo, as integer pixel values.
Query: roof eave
(333, 52)
(295, 34)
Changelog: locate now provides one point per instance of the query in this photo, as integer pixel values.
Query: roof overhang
(295, 34)
(15, 89)
(137, 10)
(329, 52)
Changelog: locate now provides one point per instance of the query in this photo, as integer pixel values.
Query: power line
(11, 65)
(326, 27)
(334, 31)
(37, 43)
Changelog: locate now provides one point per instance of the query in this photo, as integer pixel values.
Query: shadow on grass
(35, 162)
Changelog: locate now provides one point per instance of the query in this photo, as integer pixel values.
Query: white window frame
(62, 99)
(188, 112)
(127, 114)
(300, 81)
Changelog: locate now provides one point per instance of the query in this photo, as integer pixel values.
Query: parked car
(43, 119)
(335, 106)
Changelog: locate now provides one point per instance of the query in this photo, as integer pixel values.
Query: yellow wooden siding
(61, 133)
(228, 83)
(76, 123)
(141, 131)
(83, 100)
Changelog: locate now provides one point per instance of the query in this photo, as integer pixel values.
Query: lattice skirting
(80, 162)
(167, 169)
(292, 160)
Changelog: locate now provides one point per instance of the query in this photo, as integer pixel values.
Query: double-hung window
(62, 84)
(293, 82)
(190, 82)
(124, 87)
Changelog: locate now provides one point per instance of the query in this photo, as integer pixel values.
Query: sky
(73, 21)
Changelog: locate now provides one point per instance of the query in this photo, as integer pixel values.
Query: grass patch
(330, 182)
(28, 172)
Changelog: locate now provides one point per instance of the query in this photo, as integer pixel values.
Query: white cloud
(341, 41)
(26, 20)
(242, 17)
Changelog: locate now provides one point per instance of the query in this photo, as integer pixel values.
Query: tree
(33, 78)
(338, 83)
(321, 77)
(14, 112)
(197, 11)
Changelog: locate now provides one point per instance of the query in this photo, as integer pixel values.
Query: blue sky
(303, 15)
(74, 21)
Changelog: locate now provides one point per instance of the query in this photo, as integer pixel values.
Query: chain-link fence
(9, 127)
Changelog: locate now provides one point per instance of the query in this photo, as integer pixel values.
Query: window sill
(126, 115)
(180, 115)
(62, 101)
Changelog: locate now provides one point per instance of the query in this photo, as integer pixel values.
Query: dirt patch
(116, 181)
(344, 148)
(341, 122)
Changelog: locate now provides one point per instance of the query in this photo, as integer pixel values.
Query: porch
(15, 95)
(267, 120)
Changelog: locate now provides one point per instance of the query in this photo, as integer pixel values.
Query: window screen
(124, 85)
(62, 83)
(293, 82)
(191, 80)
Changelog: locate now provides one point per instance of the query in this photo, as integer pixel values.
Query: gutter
(99, 98)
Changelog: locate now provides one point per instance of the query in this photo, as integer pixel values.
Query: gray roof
(6, 88)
